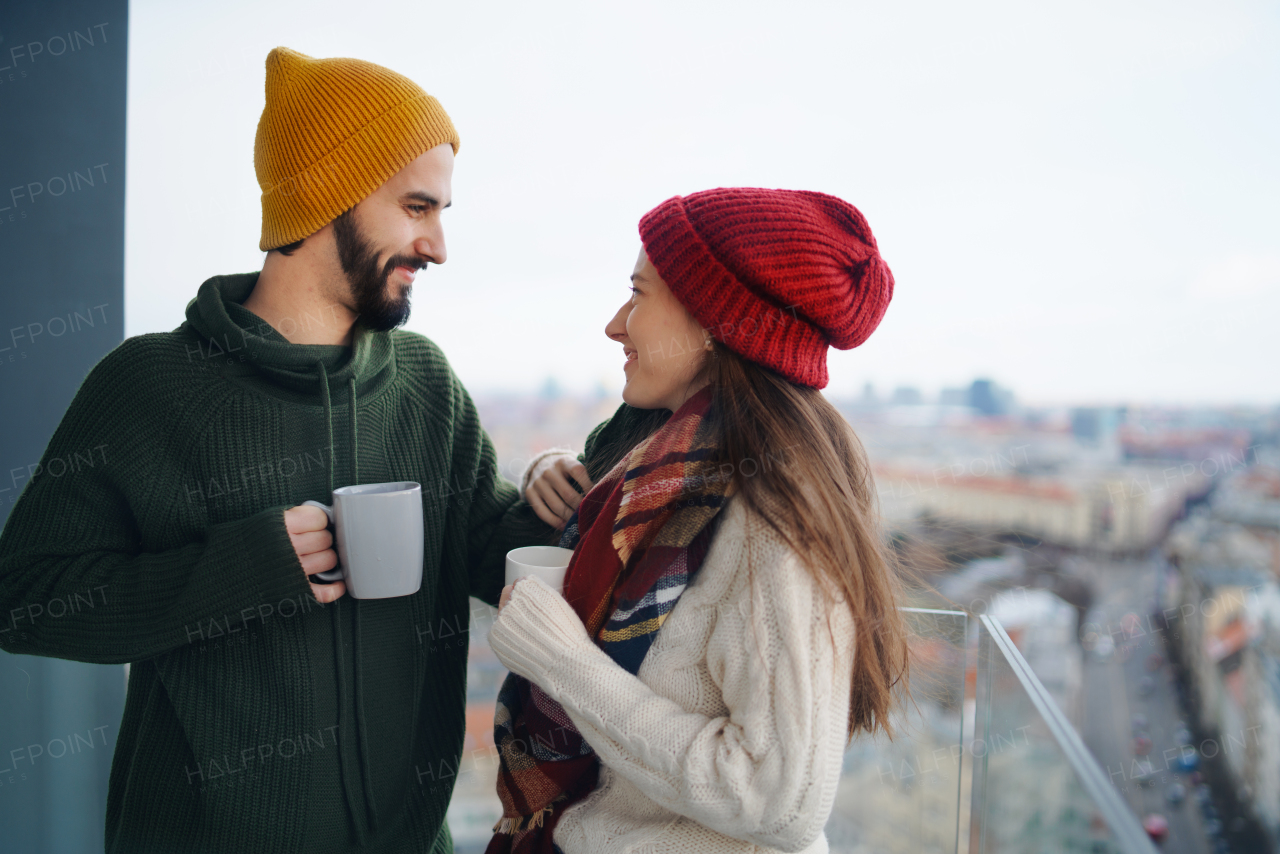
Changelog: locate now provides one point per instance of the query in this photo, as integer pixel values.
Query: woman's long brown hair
(799, 465)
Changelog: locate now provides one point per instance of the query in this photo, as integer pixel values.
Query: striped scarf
(639, 538)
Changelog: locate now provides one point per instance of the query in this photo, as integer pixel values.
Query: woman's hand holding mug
(546, 562)
(506, 596)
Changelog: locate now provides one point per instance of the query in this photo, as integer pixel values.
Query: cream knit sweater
(732, 736)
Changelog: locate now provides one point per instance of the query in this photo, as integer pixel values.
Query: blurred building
(989, 399)
(1223, 598)
(982, 395)
(1097, 426)
(1157, 442)
(1115, 510)
(906, 396)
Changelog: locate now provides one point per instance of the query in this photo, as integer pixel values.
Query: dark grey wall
(62, 144)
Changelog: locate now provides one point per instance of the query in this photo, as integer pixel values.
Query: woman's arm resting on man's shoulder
(547, 483)
(767, 771)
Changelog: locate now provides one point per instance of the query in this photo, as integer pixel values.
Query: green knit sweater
(258, 720)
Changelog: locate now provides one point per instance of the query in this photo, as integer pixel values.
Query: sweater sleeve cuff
(253, 564)
(533, 463)
(537, 632)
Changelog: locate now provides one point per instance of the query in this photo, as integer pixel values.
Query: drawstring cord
(336, 621)
(355, 446)
(360, 714)
(328, 419)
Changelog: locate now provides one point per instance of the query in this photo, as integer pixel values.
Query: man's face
(385, 240)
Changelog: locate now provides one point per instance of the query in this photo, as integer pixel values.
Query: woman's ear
(708, 356)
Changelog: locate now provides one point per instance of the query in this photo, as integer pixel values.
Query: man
(266, 712)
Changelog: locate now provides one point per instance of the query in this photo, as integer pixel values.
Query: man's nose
(431, 246)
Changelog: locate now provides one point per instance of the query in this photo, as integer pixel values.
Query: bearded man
(267, 711)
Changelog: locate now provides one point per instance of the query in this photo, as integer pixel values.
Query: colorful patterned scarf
(639, 538)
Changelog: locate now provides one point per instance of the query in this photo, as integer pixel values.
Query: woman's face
(665, 346)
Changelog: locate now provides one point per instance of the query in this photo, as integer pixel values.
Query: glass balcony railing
(905, 795)
(983, 760)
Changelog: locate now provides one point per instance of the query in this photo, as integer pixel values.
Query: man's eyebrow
(423, 198)
(639, 276)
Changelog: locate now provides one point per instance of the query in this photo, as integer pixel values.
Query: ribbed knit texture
(258, 720)
(332, 132)
(775, 275)
(731, 736)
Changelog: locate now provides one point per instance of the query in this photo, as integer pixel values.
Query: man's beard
(378, 309)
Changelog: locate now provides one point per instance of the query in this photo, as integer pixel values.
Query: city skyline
(903, 394)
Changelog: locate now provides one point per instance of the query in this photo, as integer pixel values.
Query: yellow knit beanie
(332, 132)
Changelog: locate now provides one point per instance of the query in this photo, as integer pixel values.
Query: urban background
(1131, 552)
(1071, 408)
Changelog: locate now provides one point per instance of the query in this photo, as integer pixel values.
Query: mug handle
(329, 575)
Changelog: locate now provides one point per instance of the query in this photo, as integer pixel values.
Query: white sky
(1078, 200)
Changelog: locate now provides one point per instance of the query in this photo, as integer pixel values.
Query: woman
(743, 527)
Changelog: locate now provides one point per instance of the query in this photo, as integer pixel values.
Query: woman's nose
(617, 327)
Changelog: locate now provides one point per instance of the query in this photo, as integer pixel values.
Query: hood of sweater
(219, 315)
(305, 374)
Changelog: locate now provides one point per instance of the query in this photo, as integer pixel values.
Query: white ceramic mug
(547, 562)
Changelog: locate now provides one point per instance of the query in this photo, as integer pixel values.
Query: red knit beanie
(774, 275)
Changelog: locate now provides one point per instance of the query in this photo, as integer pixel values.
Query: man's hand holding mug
(313, 543)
